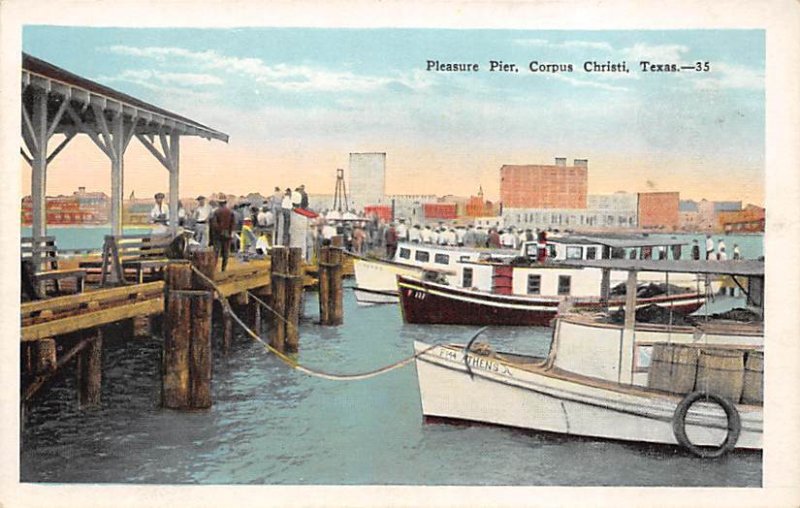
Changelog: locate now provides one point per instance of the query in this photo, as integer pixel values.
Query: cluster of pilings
(187, 355)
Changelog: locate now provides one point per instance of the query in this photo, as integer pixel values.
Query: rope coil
(226, 307)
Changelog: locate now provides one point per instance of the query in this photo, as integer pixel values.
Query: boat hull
(376, 281)
(430, 303)
(500, 393)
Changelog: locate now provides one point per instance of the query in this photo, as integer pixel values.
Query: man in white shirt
(201, 215)
(414, 234)
(709, 247)
(402, 231)
(425, 234)
(460, 232)
(286, 214)
(159, 214)
(721, 254)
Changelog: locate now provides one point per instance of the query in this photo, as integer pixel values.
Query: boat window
(405, 253)
(564, 283)
(466, 278)
(574, 252)
(534, 284)
(464, 258)
(423, 256)
(442, 259)
(591, 252)
(552, 251)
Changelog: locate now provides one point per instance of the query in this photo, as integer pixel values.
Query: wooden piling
(227, 331)
(294, 290)
(177, 337)
(280, 261)
(336, 288)
(206, 262)
(200, 357)
(254, 316)
(324, 285)
(44, 356)
(89, 371)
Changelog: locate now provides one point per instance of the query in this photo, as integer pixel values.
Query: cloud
(280, 76)
(726, 76)
(569, 45)
(665, 53)
(590, 84)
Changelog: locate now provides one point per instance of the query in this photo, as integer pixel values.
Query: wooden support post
(141, 326)
(294, 290)
(200, 357)
(626, 347)
(605, 288)
(254, 315)
(177, 336)
(227, 331)
(324, 285)
(336, 288)
(205, 260)
(280, 261)
(90, 371)
(44, 353)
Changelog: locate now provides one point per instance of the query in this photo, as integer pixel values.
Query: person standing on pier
(721, 254)
(391, 241)
(709, 247)
(303, 197)
(695, 250)
(201, 216)
(159, 214)
(222, 223)
(286, 217)
(736, 253)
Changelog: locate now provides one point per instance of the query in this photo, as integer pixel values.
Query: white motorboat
(700, 387)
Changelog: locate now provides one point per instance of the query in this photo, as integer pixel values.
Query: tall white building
(367, 179)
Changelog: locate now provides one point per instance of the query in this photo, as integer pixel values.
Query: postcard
(358, 254)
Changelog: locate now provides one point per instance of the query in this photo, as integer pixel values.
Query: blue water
(83, 237)
(78, 237)
(272, 425)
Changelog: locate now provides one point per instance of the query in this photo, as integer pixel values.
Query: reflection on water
(272, 425)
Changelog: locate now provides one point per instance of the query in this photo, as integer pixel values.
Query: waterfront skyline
(296, 102)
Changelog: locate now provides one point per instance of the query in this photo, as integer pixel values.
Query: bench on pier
(40, 268)
(131, 258)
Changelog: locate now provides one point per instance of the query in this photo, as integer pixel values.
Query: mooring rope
(286, 359)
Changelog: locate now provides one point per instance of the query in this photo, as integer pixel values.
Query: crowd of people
(250, 230)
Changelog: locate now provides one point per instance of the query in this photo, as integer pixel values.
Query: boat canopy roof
(624, 242)
(743, 267)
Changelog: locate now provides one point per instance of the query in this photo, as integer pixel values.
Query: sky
(296, 102)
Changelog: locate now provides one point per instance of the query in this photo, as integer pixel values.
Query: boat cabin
(590, 345)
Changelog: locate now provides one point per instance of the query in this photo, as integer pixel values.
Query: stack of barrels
(733, 373)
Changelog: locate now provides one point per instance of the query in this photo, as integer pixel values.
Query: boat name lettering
(488, 365)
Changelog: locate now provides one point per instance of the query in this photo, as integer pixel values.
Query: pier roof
(742, 267)
(44, 75)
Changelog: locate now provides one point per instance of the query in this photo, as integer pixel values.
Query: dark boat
(425, 302)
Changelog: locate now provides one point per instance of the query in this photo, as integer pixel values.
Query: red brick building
(545, 186)
(659, 210)
(749, 220)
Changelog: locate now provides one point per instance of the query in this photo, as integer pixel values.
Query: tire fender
(679, 425)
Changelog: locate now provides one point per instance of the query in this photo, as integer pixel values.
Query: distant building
(704, 215)
(749, 220)
(659, 210)
(566, 218)
(409, 206)
(367, 179)
(490, 221)
(538, 186)
(80, 208)
(603, 211)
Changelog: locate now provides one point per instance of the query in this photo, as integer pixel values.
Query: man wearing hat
(159, 215)
(222, 222)
(201, 215)
(247, 238)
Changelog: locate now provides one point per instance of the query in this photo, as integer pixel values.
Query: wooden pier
(57, 330)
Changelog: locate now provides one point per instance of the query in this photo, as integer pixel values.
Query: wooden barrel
(721, 372)
(673, 368)
(658, 375)
(684, 368)
(753, 388)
